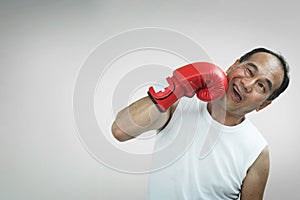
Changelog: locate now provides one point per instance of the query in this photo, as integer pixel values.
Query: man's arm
(254, 184)
(139, 117)
(154, 111)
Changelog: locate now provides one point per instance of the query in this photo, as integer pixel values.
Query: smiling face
(251, 82)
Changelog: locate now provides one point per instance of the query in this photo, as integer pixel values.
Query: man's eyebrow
(253, 65)
(270, 85)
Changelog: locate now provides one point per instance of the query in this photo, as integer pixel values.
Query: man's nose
(248, 84)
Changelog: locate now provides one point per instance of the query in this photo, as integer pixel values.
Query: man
(234, 165)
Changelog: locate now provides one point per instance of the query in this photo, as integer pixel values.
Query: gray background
(44, 43)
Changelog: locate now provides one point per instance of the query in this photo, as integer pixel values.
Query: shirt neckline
(216, 124)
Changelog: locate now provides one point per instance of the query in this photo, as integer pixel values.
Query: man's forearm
(137, 118)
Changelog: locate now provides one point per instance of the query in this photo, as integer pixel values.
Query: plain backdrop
(42, 47)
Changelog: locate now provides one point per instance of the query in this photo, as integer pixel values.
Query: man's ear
(262, 106)
(232, 66)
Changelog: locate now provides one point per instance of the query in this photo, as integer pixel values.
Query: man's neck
(218, 112)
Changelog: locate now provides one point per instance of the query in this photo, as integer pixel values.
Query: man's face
(251, 82)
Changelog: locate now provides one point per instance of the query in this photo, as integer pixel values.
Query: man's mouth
(237, 94)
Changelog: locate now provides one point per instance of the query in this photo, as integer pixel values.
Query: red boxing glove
(205, 79)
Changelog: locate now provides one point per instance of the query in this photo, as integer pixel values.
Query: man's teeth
(236, 91)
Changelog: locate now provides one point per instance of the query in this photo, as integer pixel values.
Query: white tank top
(198, 158)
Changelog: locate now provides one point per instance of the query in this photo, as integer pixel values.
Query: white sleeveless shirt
(198, 158)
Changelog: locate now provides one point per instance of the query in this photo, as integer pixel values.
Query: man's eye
(249, 72)
(261, 86)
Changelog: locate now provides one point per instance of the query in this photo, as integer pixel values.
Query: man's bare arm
(139, 117)
(254, 184)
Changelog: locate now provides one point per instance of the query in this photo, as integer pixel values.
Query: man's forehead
(264, 59)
